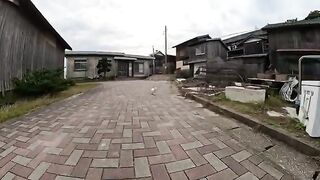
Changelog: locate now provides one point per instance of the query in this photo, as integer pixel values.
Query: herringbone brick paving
(121, 131)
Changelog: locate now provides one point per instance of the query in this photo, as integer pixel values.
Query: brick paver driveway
(121, 131)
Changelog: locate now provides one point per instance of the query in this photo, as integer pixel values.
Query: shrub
(41, 82)
(184, 73)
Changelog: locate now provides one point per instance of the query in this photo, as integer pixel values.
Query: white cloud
(133, 26)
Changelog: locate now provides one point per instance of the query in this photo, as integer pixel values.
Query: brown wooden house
(27, 42)
(160, 63)
(290, 40)
(182, 51)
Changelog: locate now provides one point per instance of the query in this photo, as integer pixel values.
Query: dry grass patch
(24, 106)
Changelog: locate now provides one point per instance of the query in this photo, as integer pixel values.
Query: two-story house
(199, 51)
(182, 51)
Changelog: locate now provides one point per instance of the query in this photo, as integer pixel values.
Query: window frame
(137, 66)
(82, 64)
(200, 50)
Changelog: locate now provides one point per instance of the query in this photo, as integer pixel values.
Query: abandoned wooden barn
(290, 40)
(248, 53)
(27, 42)
(182, 51)
(160, 65)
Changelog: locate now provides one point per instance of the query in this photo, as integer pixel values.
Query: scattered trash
(289, 91)
(291, 112)
(154, 91)
(274, 114)
(180, 80)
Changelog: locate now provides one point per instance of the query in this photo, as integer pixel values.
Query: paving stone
(208, 149)
(196, 157)
(269, 177)
(80, 170)
(253, 168)
(126, 158)
(133, 146)
(141, 167)
(271, 170)
(60, 169)
(218, 143)
(180, 165)
(6, 168)
(21, 160)
(160, 159)
(234, 166)
(95, 154)
(74, 157)
(121, 173)
(163, 147)
(39, 171)
(226, 174)
(48, 176)
(247, 176)
(224, 152)
(21, 171)
(178, 152)
(52, 150)
(192, 145)
(179, 176)
(215, 162)
(151, 134)
(23, 139)
(67, 178)
(200, 172)
(240, 156)
(154, 137)
(105, 131)
(149, 142)
(104, 144)
(94, 174)
(176, 134)
(127, 133)
(159, 172)
(8, 151)
(81, 140)
(8, 176)
(105, 163)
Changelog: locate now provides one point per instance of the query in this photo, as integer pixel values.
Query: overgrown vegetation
(259, 111)
(184, 73)
(22, 106)
(313, 15)
(41, 82)
(104, 66)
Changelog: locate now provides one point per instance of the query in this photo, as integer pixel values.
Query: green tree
(104, 66)
(313, 15)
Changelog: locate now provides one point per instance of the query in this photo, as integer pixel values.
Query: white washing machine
(310, 107)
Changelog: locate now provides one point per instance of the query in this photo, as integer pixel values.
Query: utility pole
(154, 64)
(166, 50)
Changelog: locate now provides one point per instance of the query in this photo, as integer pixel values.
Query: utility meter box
(309, 113)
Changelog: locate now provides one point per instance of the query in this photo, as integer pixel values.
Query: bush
(185, 73)
(41, 82)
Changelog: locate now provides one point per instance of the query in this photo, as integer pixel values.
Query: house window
(200, 50)
(80, 65)
(139, 68)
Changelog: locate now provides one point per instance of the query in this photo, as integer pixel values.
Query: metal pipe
(300, 67)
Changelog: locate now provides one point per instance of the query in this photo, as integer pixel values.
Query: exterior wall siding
(92, 71)
(24, 47)
(298, 38)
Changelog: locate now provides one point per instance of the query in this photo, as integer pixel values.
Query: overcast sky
(134, 26)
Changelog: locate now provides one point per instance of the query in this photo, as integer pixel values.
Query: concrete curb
(275, 133)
